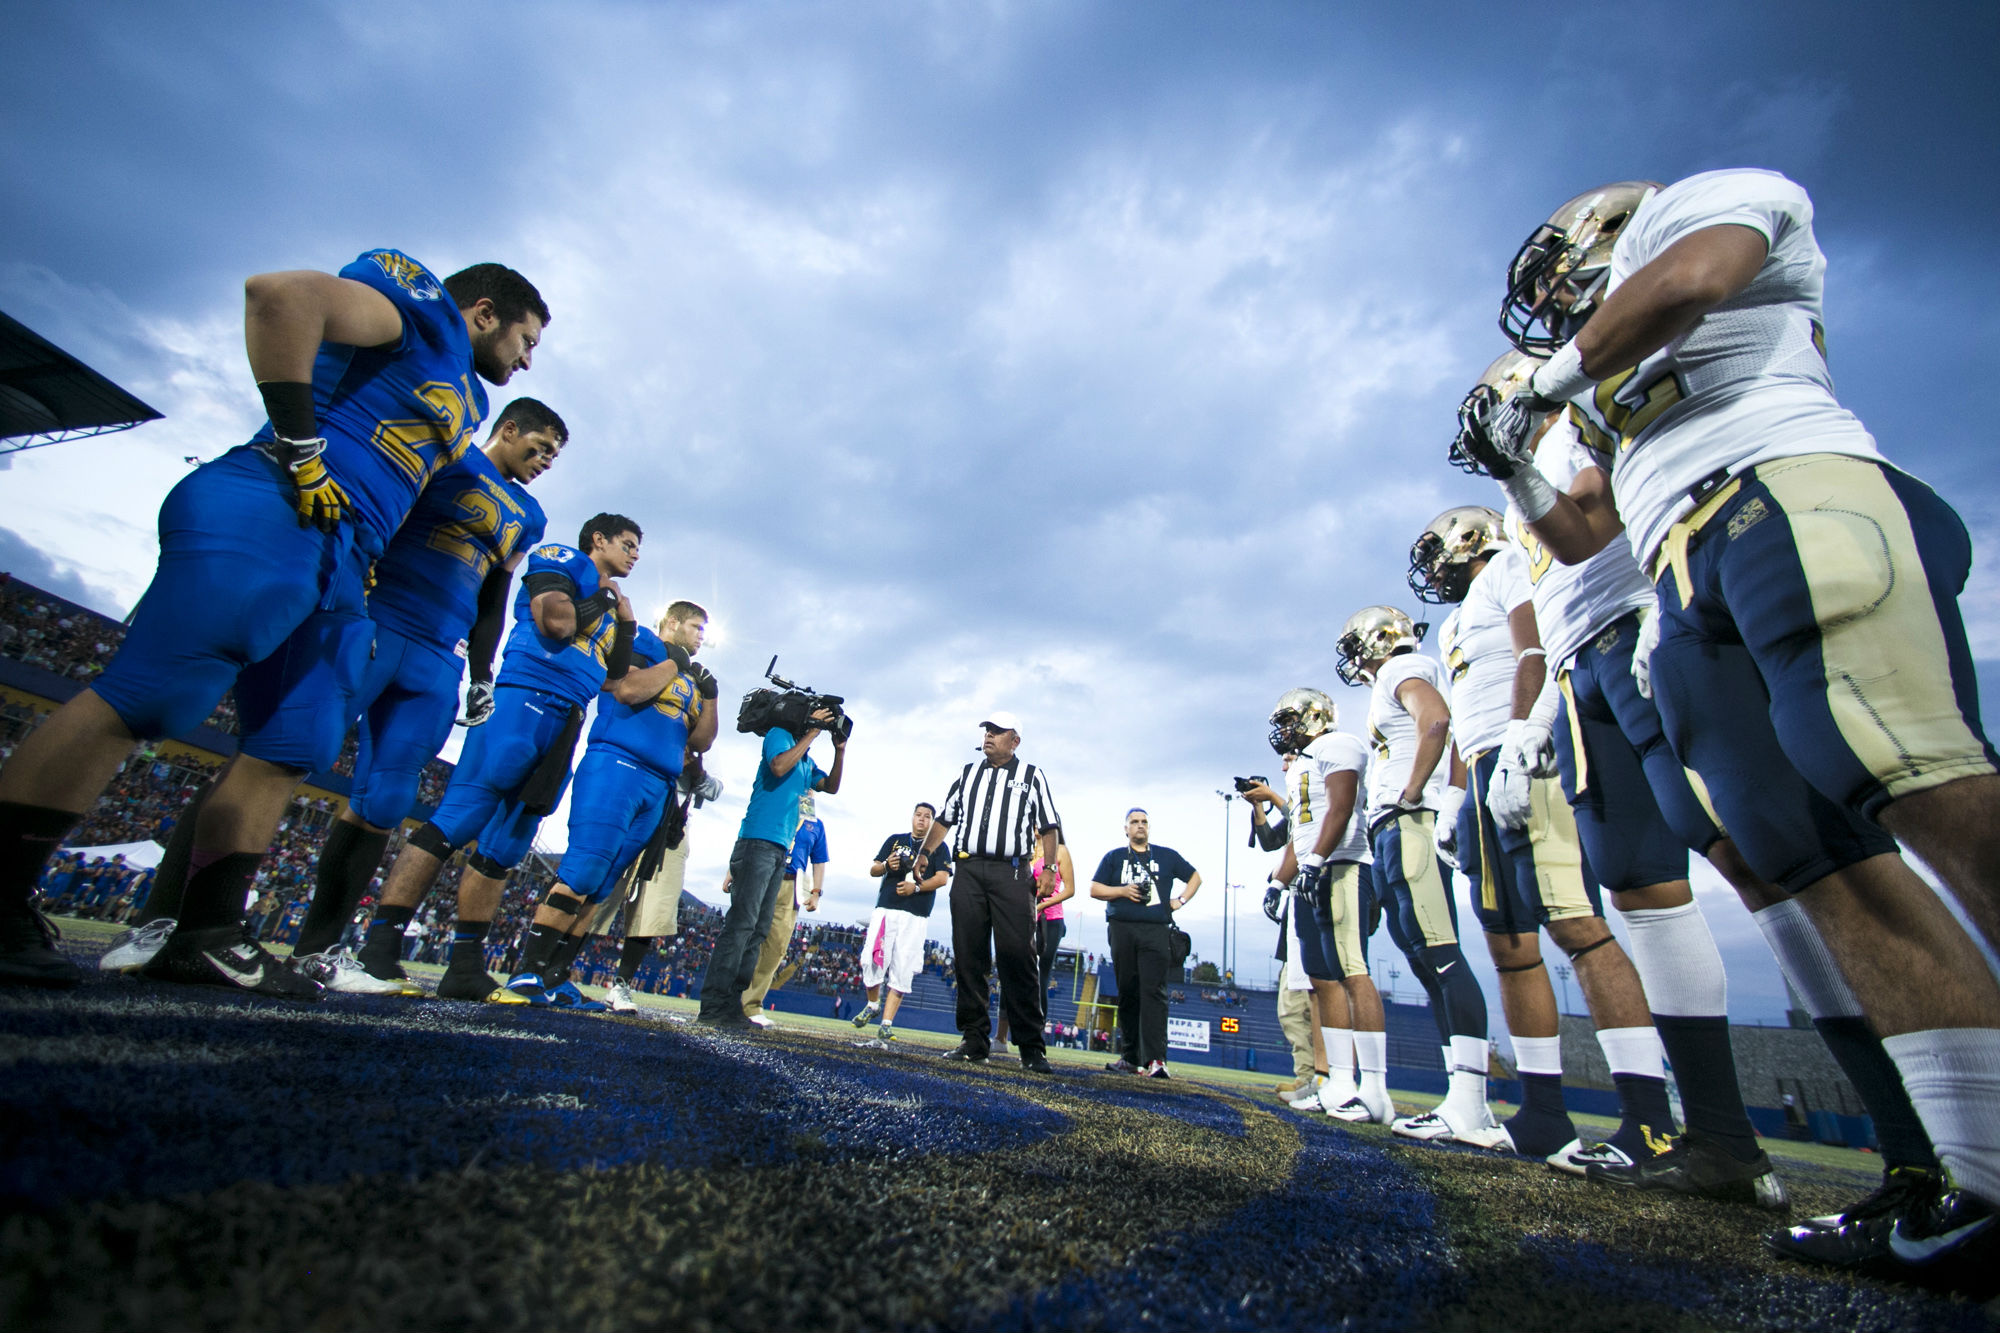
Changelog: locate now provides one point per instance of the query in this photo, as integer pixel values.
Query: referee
(999, 807)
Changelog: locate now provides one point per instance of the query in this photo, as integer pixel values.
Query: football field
(180, 1159)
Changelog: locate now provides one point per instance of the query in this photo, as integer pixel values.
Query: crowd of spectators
(97, 888)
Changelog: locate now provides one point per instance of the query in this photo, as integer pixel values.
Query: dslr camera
(1254, 780)
(791, 706)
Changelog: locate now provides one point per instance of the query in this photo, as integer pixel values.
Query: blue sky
(1088, 360)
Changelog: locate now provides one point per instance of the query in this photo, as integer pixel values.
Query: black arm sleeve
(485, 638)
(548, 580)
(620, 661)
(1271, 836)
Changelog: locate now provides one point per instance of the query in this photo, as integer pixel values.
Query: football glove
(478, 703)
(1312, 873)
(1642, 652)
(316, 497)
(704, 680)
(1508, 795)
(1447, 825)
(1274, 903)
(1494, 432)
(1531, 746)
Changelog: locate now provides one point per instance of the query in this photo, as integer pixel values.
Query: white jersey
(1330, 752)
(1393, 733)
(1574, 602)
(1747, 384)
(1478, 647)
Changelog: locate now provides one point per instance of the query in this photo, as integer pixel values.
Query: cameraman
(1270, 835)
(759, 864)
(1137, 881)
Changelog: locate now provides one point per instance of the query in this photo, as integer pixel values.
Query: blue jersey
(396, 414)
(469, 519)
(571, 668)
(654, 733)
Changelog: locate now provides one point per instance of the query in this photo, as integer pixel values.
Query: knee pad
(487, 866)
(430, 838)
(566, 903)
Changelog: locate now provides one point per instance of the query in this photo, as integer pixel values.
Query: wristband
(1563, 377)
(1530, 652)
(1530, 492)
(289, 405)
(1311, 861)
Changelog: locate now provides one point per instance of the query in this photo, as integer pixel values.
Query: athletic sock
(1339, 1043)
(1899, 1134)
(540, 950)
(632, 955)
(1542, 1125)
(29, 836)
(1467, 1091)
(1953, 1075)
(1638, 1071)
(1688, 993)
(565, 958)
(346, 864)
(1371, 1052)
(468, 946)
(176, 864)
(217, 886)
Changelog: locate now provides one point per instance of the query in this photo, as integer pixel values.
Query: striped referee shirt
(998, 811)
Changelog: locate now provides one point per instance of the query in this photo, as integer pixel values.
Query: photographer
(1266, 833)
(1137, 882)
(893, 949)
(759, 865)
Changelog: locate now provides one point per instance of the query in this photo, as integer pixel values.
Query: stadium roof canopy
(48, 396)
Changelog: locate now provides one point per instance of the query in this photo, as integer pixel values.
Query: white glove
(1447, 825)
(478, 703)
(1642, 653)
(1507, 796)
(1530, 744)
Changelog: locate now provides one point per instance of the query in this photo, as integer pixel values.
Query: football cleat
(618, 997)
(1354, 1110)
(867, 1015)
(1442, 555)
(1576, 1159)
(1424, 1128)
(226, 956)
(1857, 1237)
(28, 952)
(1372, 635)
(1039, 1064)
(1157, 1069)
(337, 970)
(1301, 717)
(137, 946)
(476, 985)
(1561, 271)
(529, 987)
(567, 996)
(1950, 1239)
(966, 1052)
(1478, 1129)
(1693, 1165)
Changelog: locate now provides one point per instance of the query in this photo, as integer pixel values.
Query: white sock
(1468, 1074)
(1540, 1055)
(1339, 1043)
(1371, 1051)
(1678, 962)
(1633, 1051)
(1953, 1078)
(1805, 960)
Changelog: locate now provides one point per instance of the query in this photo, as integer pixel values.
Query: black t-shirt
(1158, 870)
(916, 904)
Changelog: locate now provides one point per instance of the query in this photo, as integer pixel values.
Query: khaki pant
(1295, 1020)
(773, 952)
(658, 908)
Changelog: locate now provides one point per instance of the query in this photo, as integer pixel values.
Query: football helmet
(1370, 635)
(1558, 275)
(1441, 558)
(1509, 373)
(1301, 716)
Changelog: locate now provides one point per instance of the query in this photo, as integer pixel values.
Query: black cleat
(1695, 1166)
(1037, 1064)
(967, 1052)
(28, 952)
(1857, 1237)
(228, 957)
(1949, 1242)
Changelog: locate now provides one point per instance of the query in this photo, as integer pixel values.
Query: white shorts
(893, 946)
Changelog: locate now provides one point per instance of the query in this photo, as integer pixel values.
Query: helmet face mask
(1301, 717)
(1442, 556)
(1559, 274)
(1497, 383)
(1372, 635)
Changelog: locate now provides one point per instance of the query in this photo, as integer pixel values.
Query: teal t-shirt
(777, 804)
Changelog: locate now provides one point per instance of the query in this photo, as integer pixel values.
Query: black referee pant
(993, 911)
(1141, 959)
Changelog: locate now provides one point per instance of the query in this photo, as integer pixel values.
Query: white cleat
(136, 947)
(1425, 1128)
(337, 970)
(1353, 1110)
(762, 1021)
(1576, 1159)
(1479, 1130)
(618, 997)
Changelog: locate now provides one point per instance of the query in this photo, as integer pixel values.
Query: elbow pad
(620, 660)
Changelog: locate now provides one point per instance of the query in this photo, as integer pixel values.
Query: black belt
(1014, 861)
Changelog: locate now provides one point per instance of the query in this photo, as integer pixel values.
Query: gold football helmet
(1558, 275)
(1441, 558)
(1301, 716)
(1370, 635)
(1509, 373)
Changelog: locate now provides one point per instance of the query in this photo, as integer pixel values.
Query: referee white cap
(1002, 721)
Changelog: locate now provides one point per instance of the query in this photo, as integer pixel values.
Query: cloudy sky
(1088, 360)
